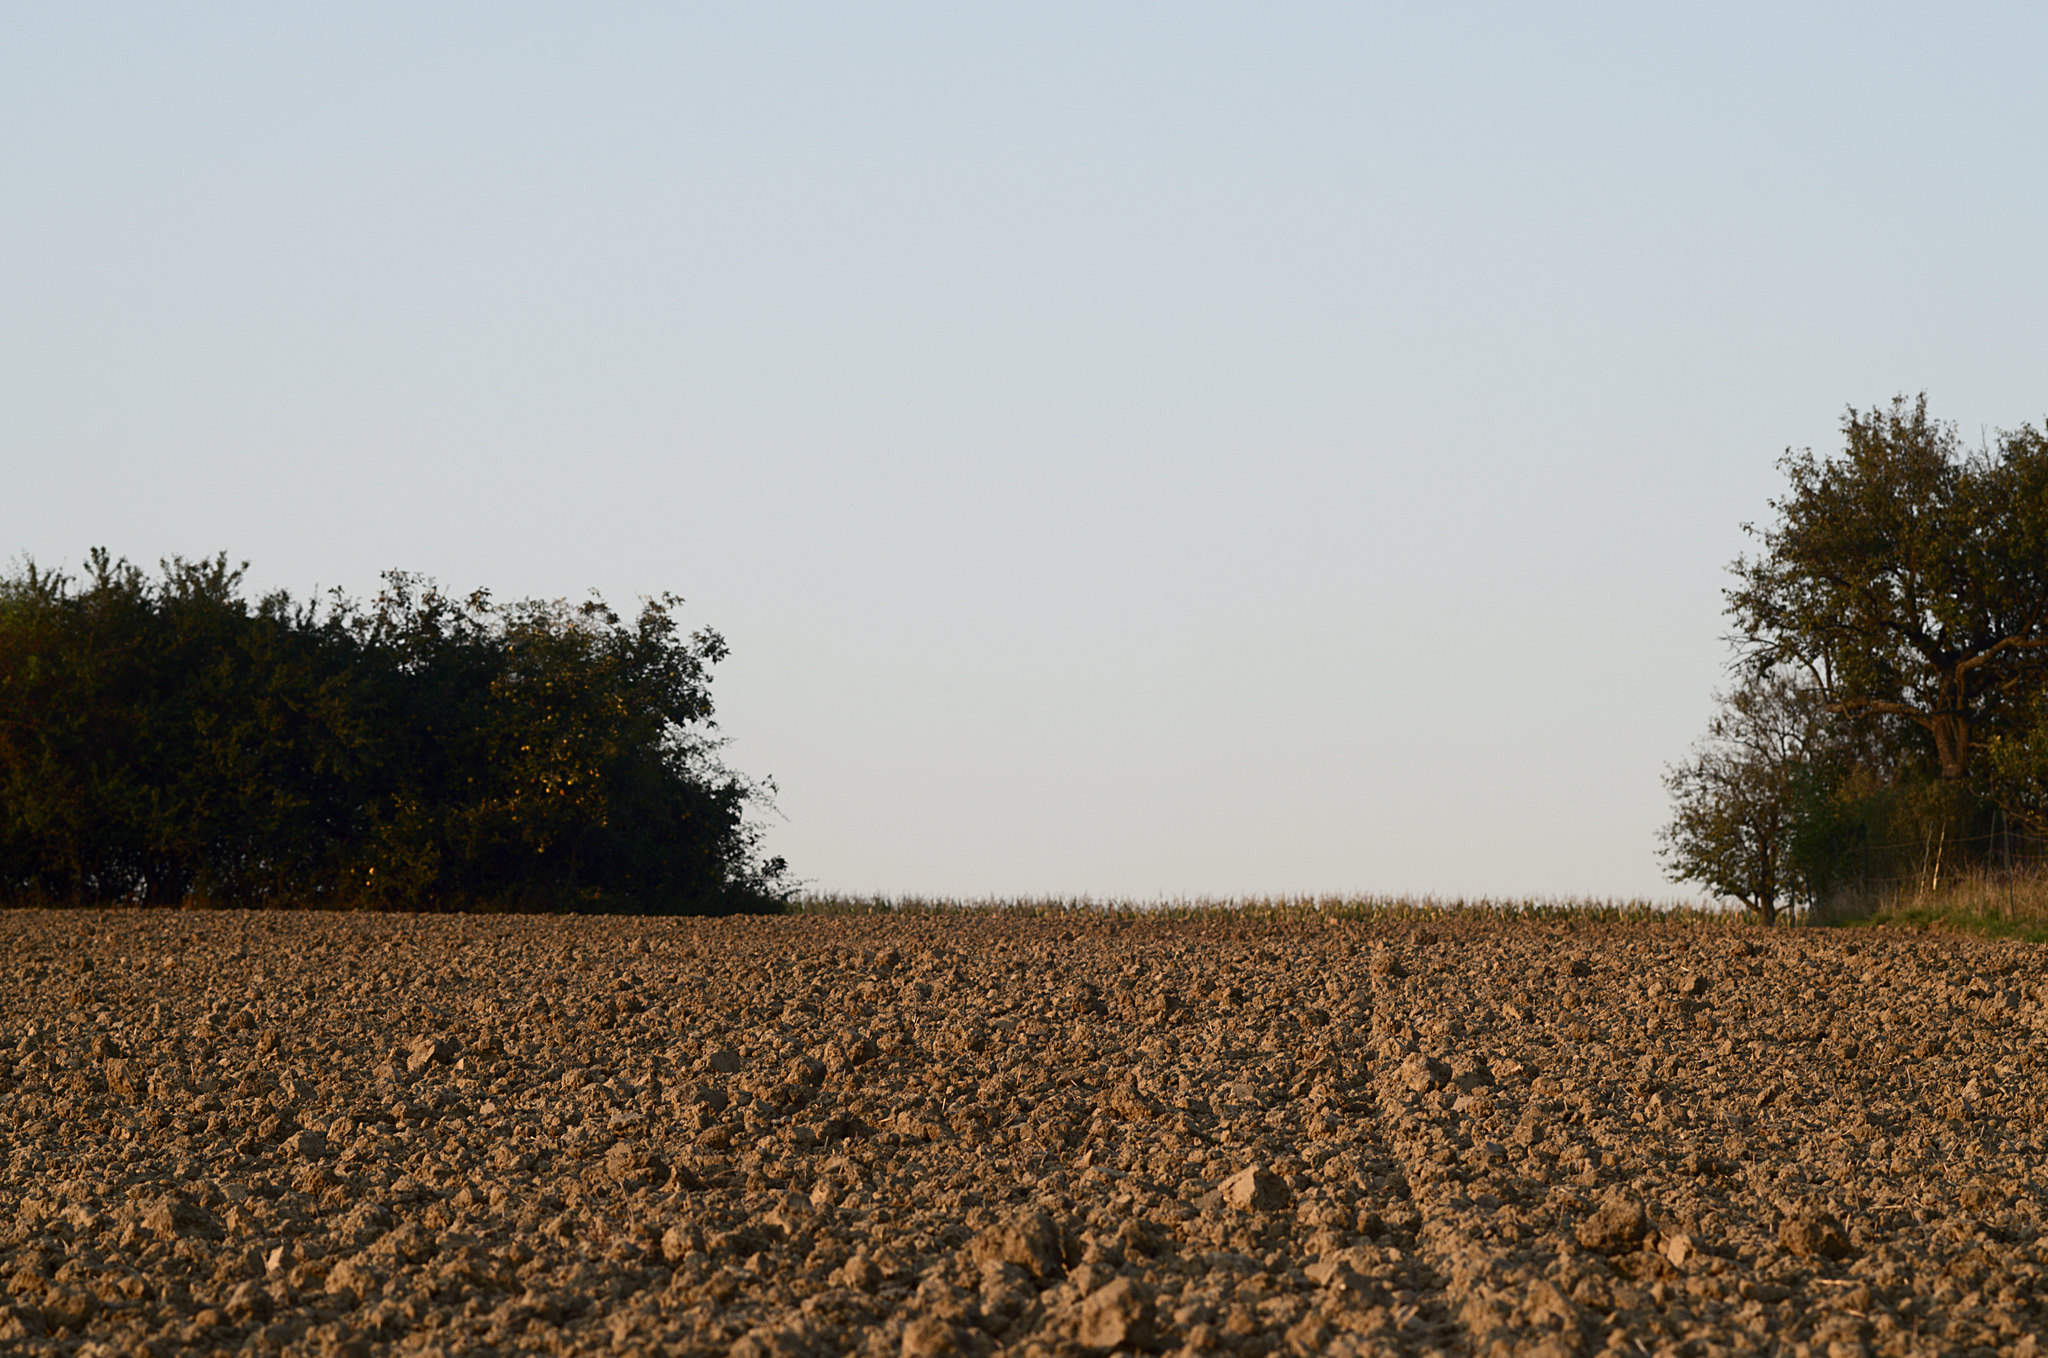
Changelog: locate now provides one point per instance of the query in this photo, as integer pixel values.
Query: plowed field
(933, 1134)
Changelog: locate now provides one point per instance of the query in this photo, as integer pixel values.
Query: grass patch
(1987, 904)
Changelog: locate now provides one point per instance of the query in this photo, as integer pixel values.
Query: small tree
(1741, 799)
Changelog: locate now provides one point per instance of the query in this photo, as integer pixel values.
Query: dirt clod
(1117, 1315)
(929, 1337)
(1619, 1223)
(1255, 1190)
(429, 1051)
(1029, 1240)
(1814, 1233)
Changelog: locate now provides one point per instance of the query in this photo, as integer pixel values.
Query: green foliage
(2015, 773)
(1745, 801)
(170, 741)
(1894, 632)
(1905, 578)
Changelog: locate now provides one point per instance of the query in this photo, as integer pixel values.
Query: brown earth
(930, 1135)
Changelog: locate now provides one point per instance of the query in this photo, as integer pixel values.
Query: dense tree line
(169, 740)
(1890, 715)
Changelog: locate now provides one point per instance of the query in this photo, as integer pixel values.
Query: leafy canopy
(1906, 577)
(170, 740)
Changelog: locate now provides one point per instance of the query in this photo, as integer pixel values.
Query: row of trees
(169, 740)
(1891, 637)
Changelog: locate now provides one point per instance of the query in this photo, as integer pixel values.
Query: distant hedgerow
(169, 741)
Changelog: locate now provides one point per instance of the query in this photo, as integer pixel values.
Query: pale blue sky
(1132, 449)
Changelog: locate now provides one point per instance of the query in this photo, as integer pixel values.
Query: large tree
(1907, 577)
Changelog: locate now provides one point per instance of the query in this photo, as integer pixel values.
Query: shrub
(169, 741)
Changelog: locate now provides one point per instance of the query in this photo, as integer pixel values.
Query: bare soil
(957, 1134)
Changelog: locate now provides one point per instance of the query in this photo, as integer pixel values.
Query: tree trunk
(1952, 744)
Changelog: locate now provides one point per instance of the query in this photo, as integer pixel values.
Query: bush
(170, 741)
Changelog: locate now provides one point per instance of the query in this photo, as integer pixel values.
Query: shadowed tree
(167, 741)
(1905, 578)
(2015, 767)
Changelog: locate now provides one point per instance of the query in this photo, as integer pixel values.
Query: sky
(1142, 451)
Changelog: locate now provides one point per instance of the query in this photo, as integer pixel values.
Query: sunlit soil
(979, 1133)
